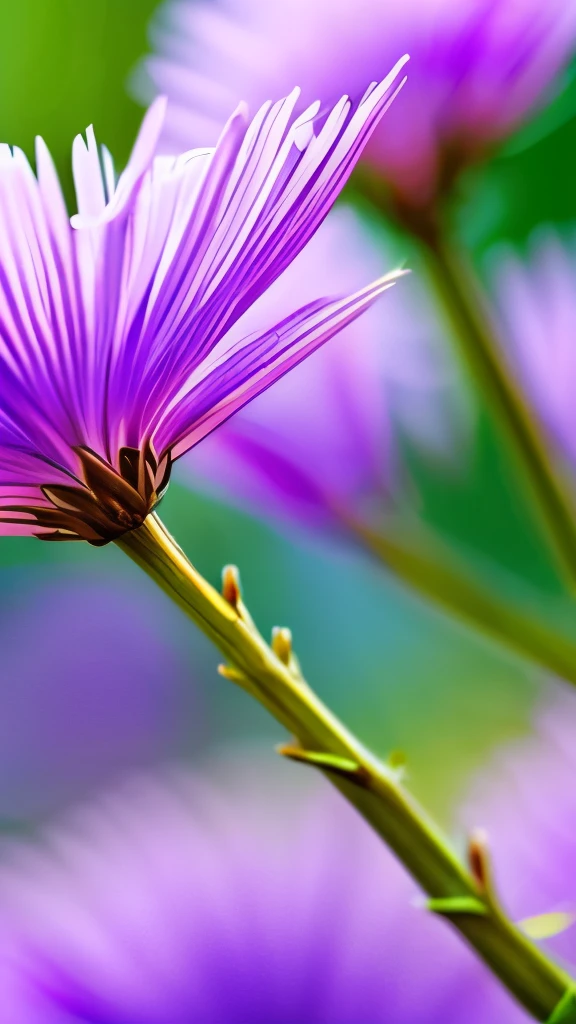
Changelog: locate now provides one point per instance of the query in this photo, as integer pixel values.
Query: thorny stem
(463, 896)
(473, 331)
(436, 574)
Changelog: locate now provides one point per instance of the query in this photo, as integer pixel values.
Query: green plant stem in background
(465, 307)
(433, 572)
(271, 675)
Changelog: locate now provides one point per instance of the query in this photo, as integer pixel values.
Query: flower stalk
(463, 895)
(460, 297)
(466, 311)
(434, 573)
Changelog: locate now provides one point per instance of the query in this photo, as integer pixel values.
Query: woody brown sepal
(109, 503)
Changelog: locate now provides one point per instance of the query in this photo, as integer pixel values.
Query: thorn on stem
(397, 759)
(397, 762)
(233, 674)
(231, 590)
(332, 763)
(282, 644)
(451, 906)
(479, 859)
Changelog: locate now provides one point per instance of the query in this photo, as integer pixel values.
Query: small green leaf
(456, 905)
(565, 1012)
(327, 762)
(231, 673)
(544, 926)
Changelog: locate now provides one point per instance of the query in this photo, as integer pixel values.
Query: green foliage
(565, 1012)
(456, 905)
(63, 66)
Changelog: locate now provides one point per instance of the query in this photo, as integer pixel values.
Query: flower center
(110, 502)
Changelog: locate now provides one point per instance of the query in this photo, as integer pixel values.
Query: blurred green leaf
(63, 66)
(565, 1012)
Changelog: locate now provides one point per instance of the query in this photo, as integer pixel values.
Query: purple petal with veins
(114, 348)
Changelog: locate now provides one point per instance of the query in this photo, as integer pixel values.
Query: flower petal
(93, 183)
(264, 206)
(253, 366)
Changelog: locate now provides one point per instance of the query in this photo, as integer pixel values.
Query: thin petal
(93, 181)
(252, 367)
(264, 207)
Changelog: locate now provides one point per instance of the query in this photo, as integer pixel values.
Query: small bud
(345, 767)
(478, 858)
(282, 643)
(231, 591)
(233, 674)
(397, 761)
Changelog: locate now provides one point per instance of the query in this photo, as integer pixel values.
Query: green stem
(433, 572)
(465, 309)
(372, 787)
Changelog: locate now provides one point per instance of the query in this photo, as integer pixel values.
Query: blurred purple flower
(114, 350)
(318, 448)
(184, 900)
(537, 304)
(478, 67)
(92, 684)
(527, 801)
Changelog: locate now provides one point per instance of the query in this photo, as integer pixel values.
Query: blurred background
(101, 674)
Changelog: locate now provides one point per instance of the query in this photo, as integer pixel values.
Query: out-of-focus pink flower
(537, 303)
(478, 67)
(226, 902)
(318, 447)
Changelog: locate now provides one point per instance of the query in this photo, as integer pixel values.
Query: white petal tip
(241, 111)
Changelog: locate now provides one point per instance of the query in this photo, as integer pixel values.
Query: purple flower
(527, 801)
(318, 448)
(91, 686)
(478, 68)
(537, 303)
(114, 349)
(226, 901)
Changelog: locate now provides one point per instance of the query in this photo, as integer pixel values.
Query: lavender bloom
(318, 448)
(91, 686)
(184, 900)
(528, 803)
(537, 303)
(114, 349)
(478, 68)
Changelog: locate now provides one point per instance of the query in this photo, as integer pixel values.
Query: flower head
(318, 449)
(537, 303)
(478, 68)
(114, 350)
(224, 901)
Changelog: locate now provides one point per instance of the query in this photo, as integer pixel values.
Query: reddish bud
(231, 591)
